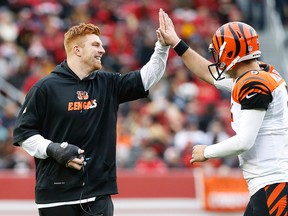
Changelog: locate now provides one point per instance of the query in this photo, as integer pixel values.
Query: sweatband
(181, 48)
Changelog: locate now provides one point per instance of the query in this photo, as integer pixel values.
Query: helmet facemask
(219, 66)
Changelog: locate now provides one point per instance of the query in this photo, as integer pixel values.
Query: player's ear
(77, 50)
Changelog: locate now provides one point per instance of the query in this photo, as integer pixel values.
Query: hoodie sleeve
(130, 87)
(28, 121)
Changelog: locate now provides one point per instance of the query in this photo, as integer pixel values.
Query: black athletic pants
(102, 206)
(269, 201)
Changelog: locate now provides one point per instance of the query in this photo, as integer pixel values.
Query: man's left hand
(76, 163)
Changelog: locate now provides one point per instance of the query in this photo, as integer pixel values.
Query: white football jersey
(267, 161)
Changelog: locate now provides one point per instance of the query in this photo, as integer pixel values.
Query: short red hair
(77, 32)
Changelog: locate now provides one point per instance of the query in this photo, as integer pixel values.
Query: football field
(127, 207)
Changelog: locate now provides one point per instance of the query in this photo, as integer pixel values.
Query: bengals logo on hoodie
(83, 103)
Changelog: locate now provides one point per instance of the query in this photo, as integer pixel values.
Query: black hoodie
(63, 108)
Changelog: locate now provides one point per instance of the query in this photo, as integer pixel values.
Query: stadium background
(155, 135)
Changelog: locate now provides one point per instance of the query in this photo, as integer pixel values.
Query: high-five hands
(160, 38)
(167, 29)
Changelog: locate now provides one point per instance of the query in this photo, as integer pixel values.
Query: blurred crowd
(156, 133)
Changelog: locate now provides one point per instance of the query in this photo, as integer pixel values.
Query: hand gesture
(198, 154)
(167, 29)
(160, 38)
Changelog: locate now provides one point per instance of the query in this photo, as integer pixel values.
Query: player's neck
(77, 68)
(243, 67)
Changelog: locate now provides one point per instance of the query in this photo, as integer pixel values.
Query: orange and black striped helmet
(233, 42)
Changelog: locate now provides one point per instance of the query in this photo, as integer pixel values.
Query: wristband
(181, 48)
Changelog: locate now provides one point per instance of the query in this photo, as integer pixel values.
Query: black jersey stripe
(257, 87)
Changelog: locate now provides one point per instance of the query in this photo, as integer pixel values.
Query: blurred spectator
(216, 132)
(150, 161)
(208, 114)
(10, 158)
(190, 134)
(40, 67)
(282, 8)
(124, 142)
(172, 157)
(229, 11)
(255, 11)
(9, 29)
(8, 115)
(6, 161)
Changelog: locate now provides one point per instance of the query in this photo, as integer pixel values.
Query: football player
(259, 113)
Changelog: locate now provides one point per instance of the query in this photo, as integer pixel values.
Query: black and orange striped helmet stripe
(236, 40)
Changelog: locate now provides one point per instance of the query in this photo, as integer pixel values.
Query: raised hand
(160, 38)
(167, 29)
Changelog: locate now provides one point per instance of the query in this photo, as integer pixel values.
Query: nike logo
(249, 96)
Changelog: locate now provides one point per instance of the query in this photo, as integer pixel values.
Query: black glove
(62, 152)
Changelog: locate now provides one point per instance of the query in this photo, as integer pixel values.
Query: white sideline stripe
(17, 205)
(126, 207)
(136, 203)
(119, 203)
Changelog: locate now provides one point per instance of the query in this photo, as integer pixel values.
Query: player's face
(92, 52)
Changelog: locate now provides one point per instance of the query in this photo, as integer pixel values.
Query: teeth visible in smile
(98, 58)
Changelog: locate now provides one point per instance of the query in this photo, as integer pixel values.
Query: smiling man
(70, 116)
